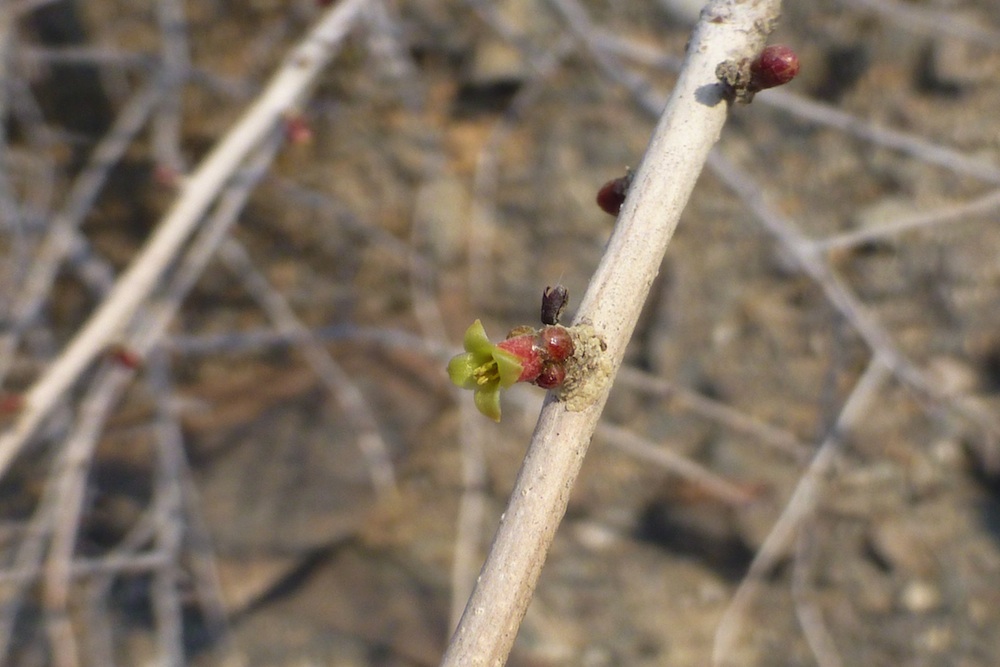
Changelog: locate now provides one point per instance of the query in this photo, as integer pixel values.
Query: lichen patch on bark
(588, 371)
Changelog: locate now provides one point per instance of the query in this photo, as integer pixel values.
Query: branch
(798, 508)
(286, 89)
(689, 126)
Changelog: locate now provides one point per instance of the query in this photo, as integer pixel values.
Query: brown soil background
(367, 230)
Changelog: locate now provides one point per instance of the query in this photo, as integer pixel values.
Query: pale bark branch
(688, 128)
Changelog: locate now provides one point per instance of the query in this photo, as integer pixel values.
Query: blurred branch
(352, 401)
(950, 214)
(907, 143)
(62, 236)
(929, 21)
(689, 126)
(73, 466)
(797, 510)
(287, 88)
(176, 63)
(841, 297)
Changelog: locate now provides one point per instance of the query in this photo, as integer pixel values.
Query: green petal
(509, 365)
(460, 370)
(476, 341)
(488, 402)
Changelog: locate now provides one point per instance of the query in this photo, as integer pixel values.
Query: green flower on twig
(484, 368)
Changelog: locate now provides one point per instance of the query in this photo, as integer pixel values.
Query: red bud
(11, 403)
(125, 356)
(551, 376)
(776, 65)
(612, 194)
(558, 343)
(523, 347)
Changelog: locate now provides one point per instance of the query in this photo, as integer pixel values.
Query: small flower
(485, 368)
(530, 355)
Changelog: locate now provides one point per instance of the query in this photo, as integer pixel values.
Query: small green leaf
(509, 365)
(461, 369)
(488, 402)
(476, 341)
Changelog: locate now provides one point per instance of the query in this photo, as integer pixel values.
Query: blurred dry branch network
(239, 242)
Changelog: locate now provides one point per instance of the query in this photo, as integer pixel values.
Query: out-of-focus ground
(460, 188)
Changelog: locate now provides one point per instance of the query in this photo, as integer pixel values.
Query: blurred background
(290, 479)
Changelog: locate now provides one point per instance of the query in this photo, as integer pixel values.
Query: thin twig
(35, 163)
(943, 22)
(71, 474)
(576, 15)
(647, 451)
(129, 563)
(353, 404)
(717, 411)
(903, 142)
(127, 556)
(807, 607)
(954, 213)
(168, 508)
(176, 64)
(799, 507)
(841, 297)
(27, 559)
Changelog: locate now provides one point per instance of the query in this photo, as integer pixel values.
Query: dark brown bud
(554, 300)
(612, 194)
